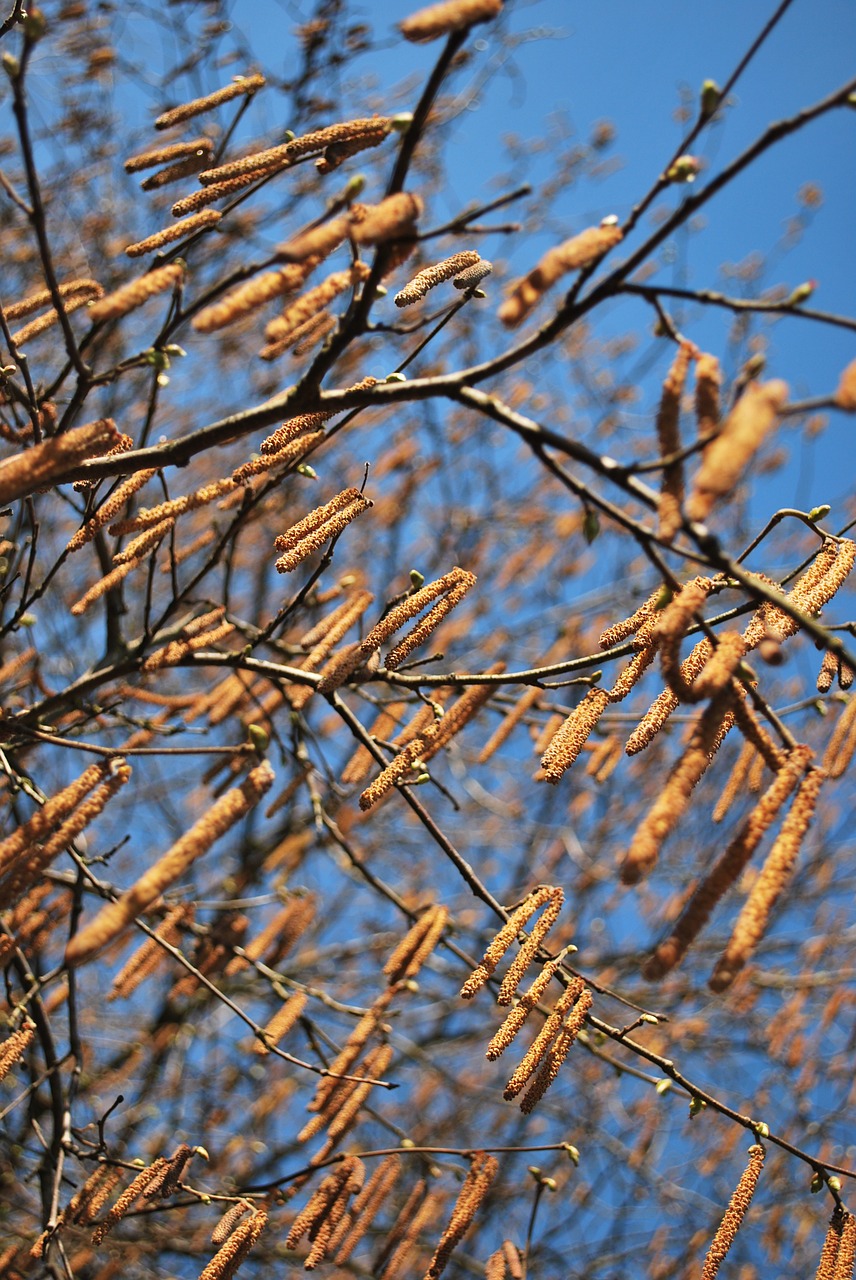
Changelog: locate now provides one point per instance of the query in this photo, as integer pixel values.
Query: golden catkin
(418, 1213)
(148, 957)
(100, 588)
(472, 276)
(742, 434)
(282, 1022)
(842, 743)
(240, 86)
(772, 879)
(382, 729)
(9, 670)
(464, 581)
(229, 1257)
(440, 733)
(133, 295)
(178, 230)
(394, 217)
(375, 1064)
(13, 1049)
(229, 1221)
(503, 940)
(331, 1084)
(252, 294)
(301, 339)
(319, 1203)
(530, 947)
(278, 936)
(338, 152)
(846, 1260)
(316, 528)
(222, 815)
(204, 196)
(629, 676)
(505, 727)
(669, 627)
(734, 782)
(845, 394)
(176, 171)
(109, 508)
(52, 812)
(666, 702)
(580, 251)
(129, 1198)
(629, 626)
(285, 154)
(83, 288)
(86, 1203)
(177, 650)
(517, 1015)
(545, 1037)
(450, 15)
(309, 304)
(557, 1053)
(322, 1231)
(831, 1245)
(45, 463)
(124, 444)
(708, 380)
(669, 440)
(163, 155)
(571, 737)
(365, 1209)
(720, 667)
(482, 1172)
(429, 277)
(737, 1206)
(412, 605)
(725, 871)
(144, 542)
(416, 945)
(394, 771)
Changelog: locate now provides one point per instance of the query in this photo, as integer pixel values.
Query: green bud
(27, 620)
(380, 291)
(395, 377)
(416, 579)
(407, 1143)
(571, 1152)
(591, 525)
(258, 736)
(355, 187)
(697, 1105)
(802, 293)
(833, 1183)
(175, 350)
(820, 513)
(402, 122)
(710, 98)
(685, 169)
(290, 135)
(305, 470)
(816, 1183)
(422, 778)
(761, 1129)
(651, 1019)
(663, 1086)
(11, 65)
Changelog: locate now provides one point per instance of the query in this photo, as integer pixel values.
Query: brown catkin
(666, 702)
(100, 588)
(530, 947)
(708, 380)
(440, 733)
(163, 155)
(252, 294)
(429, 277)
(734, 782)
(315, 300)
(226, 1261)
(52, 812)
(134, 294)
(845, 395)
(301, 339)
(360, 763)
(124, 444)
(319, 1203)
(240, 85)
(545, 1037)
(285, 154)
(375, 1064)
(630, 675)
(669, 440)
(416, 945)
(622, 630)
(86, 1203)
(516, 1016)
(32, 330)
(394, 771)
(394, 217)
(365, 1209)
(503, 940)
(472, 276)
(201, 198)
(725, 871)
(737, 1206)
(278, 936)
(846, 1260)
(831, 1245)
(148, 957)
(507, 724)
(580, 251)
(222, 815)
(178, 230)
(128, 1198)
(557, 1053)
(720, 667)
(45, 463)
(668, 628)
(417, 1214)
(676, 793)
(175, 172)
(14, 666)
(84, 288)
(842, 743)
(463, 582)
(177, 650)
(742, 434)
(109, 508)
(772, 879)
(318, 241)
(317, 528)
(450, 15)
(570, 738)
(482, 1172)
(330, 1085)
(229, 1221)
(281, 1022)
(13, 1049)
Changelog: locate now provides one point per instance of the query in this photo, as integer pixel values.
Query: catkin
(450, 15)
(283, 155)
(393, 218)
(315, 300)
(240, 85)
(517, 1015)
(83, 288)
(226, 1261)
(580, 251)
(504, 729)
(222, 815)
(737, 1206)
(463, 582)
(829, 1254)
(842, 743)
(669, 441)
(163, 155)
(365, 1209)
(482, 1172)
(229, 1221)
(282, 1022)
(394, 771)
(666, 702)
(503, 940)
(178, 230)
(45, 463)
(52, 812)
(727, 868)
(734, 782)
(720, 667)
(317, 528)
(128, 1198)
(360, 763)
(175, 172)
(428, 278)
(146, 959)
(301, 339)
(629, 626)
(571, 737)
(252, 294)
(85, 1204)
(338, 152)
(318, 242)
(133, 295)
(557, 1053)
(177, 650)
(545, 1037)
(109, 508)
(210, 195)
(472, 276)
(772, 879)
(846, 1260)
(32, 330)
(708, 380)
(13, 1049)
(375, 1064)
(530, 947)
(845, 394)
(416, 945)
(329, 1086)
(741, 435)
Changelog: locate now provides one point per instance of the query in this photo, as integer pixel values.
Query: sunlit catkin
(463, 582)
(529, 949)
(669, 441)
(307, 144)
(382, 729)
(416, 945)
(204, 196)
(517, 1015)
(134, 294)
(128, 1198)
(229, 1257)
(737, 1206)
(44, 463)
(505, 727)
(365, 1208)
(318, 527)
(83, 288)
(571, 737)
(110, 508)
(846, 1260)
(580, 251)
(430, 277)
(518, 919)
(148, 957)
(240, 86)
(451, 15)
(253, 294)
(842, 743)
(665, 703)
(315, 300)
(725, 871)
(557, 1053)
(482, 1172)
(52, 812)
(742, 434)
(771, 882)
(178, 230)
(222, 815)
(393, 217)
(545, 1037)
(676, 792)
(229, 1221)
(13, 1049)
(282, 1022)
(319, 241)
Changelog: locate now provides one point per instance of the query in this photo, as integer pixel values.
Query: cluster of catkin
(465, 269)
(73, 294)
(545, 1056)
(480, 1176)
(156, 1181)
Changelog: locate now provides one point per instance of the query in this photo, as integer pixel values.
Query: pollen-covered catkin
(429, 277)
(394, 217)
(239, 87)
(375, 127)
(557, 1053)
(320, 525)
(83, 288)
(580, 251)
(315, 300)
(133, 295)
(229, 1221)
(727, 868)
(571, 737)
(545, 1037)
(530, 947)
(737, 1206)
(365, 1209)
(226, 1261)
(846, 1260)
(42, 464)
(109, 508)
(708, 380)
(416, 945)
(282, 1022)
(675, 795)
(142, 963)
(503, 940)
(450, 15)
(845, 394)
(770, 884)
(742, 434)
(463, 582)
(222, 815)
(178, 230)
(128, 1198)
(13, 1049)
(204, 196)
(52, 812)
(517, 1015)
(483, 1170)
(252, 294)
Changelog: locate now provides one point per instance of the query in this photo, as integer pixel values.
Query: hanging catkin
(450, 15)
(741, 435)
(737, 1206)
(669, 441)
(574, 254)
(483, 1169)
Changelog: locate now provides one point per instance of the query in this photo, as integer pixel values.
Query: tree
(338, 928)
